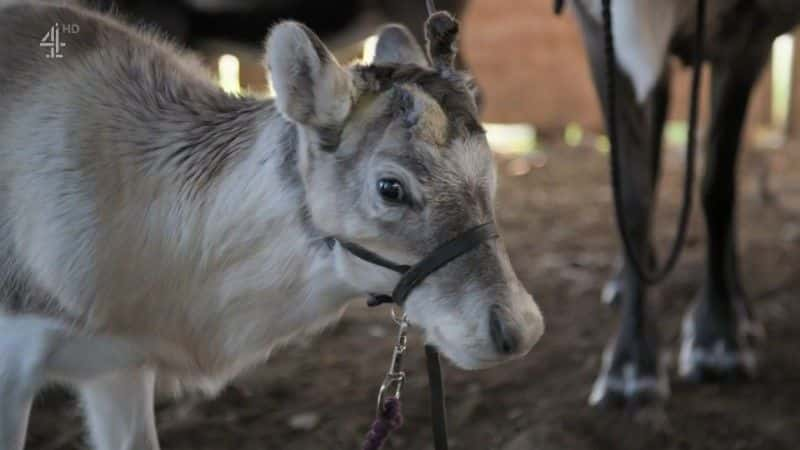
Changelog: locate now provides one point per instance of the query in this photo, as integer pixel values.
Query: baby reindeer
(154, 227)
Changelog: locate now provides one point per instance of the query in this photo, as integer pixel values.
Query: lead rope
(389, 419)
(651, 275)
(438, 408)
(389, 415)
(388, 411)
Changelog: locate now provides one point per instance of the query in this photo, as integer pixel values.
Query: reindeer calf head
(393, 157)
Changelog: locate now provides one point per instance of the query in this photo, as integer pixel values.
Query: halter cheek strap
(412, 276)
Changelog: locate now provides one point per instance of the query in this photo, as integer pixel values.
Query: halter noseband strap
(414, 275)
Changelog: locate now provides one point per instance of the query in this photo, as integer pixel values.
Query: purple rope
(389, 419)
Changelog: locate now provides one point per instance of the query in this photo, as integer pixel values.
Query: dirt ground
(557, 224)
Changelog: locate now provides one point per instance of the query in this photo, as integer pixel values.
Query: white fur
(119, 410)
(642, 31)
(211, 318)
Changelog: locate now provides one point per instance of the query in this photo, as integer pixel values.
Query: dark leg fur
(656, 109)
(632, 369)
(714, 343)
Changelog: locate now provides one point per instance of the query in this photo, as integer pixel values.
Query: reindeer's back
(75, 131)
(24, 29)
(31, 50)
(68, 52)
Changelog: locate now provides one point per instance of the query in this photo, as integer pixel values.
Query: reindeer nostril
(504, 338)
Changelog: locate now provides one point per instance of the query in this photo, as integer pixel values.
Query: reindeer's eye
(391, 190)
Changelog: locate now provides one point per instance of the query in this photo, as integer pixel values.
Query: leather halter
(412, 276)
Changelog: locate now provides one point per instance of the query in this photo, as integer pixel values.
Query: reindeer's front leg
(16, 395)
(35, 351)
(655, 108)
(715, 343)
(119, 410)
(631, 367)
(29, 348)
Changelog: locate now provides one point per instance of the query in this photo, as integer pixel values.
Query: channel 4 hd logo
(54, 40)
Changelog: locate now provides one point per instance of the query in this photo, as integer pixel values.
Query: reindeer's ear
(310, 87)
(396, 45)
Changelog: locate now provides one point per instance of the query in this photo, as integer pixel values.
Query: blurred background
(530, 63)
(554, 207)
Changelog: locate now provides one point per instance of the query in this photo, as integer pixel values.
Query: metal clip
(395, 377)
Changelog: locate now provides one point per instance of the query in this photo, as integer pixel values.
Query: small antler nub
(441, 33)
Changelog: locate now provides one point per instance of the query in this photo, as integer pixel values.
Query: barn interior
(555, 209)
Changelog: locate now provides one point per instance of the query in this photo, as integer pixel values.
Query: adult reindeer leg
(656, 107)
(713, 343)
(631, 369)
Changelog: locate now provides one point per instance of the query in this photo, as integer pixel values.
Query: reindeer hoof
(717, 364)
(706, 357)
(628, 385)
